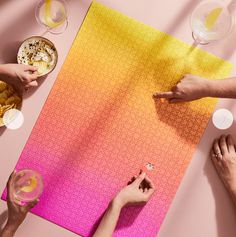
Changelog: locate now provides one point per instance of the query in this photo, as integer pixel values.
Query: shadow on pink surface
(225, 212)
(126, 219)
(184, 13)
(2, 130)
(225, 47)
(15, 30)
(32, 90)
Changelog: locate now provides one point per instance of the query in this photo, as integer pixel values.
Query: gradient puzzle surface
(100, 123)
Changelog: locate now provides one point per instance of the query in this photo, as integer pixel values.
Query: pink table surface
(201, 206)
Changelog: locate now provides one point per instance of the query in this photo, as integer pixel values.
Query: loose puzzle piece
(100, 123)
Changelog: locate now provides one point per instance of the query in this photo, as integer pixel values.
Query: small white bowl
(38, 51)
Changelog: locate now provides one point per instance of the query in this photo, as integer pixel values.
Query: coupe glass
(53, 15)
(211, 21)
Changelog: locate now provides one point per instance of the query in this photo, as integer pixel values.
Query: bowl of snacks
(10, 98)
(39, 52)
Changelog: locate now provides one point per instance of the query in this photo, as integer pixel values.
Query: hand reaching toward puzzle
(192, 88)
(189, 88)
(16, 213)
(25, 74)
(138, 191)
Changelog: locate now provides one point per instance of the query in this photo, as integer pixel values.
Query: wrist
(117, 203)
(232, 190)
(209, 88)
(2, 69)
(11, 228)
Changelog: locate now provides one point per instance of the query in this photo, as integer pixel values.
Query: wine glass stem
(199, 41)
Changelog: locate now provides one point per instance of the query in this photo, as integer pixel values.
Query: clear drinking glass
(211, 21)
(27, 186)
(53, 15)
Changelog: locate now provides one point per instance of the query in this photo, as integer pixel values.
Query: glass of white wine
(211, 20)
(27, 186)
(53, 15)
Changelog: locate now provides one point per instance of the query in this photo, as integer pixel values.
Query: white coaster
(222, 119)
(13, 119)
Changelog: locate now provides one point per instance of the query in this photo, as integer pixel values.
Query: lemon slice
(31, 186)
(48, 16)
(212, 17)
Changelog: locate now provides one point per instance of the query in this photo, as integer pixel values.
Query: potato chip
(9, 99)
(6, 107)
(1, 111)
(2, 101)
(1, 122)
(10, 90)
(4, 94)
(13, 100)
(3, 86)
(42, 66)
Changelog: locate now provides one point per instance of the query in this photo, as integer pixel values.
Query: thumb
(140, 179)
(32, 84)
(32, 204)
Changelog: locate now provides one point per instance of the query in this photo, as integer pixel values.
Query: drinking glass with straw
(52, 14)
(211, 21)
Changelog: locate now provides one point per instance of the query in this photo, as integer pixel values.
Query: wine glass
(53, 15)
(211, 21)
(27, 186)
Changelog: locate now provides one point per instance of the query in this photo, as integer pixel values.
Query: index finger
(33, 77)
(166, 95)
(150, 183)
(139, 179)
(149, 192)
(30, 68)
(31, 204)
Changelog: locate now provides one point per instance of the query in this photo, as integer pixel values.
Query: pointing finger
(166, 95)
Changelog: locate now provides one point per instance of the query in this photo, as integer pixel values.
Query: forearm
(225, 88)
(8, 231)
(2, 70)
(232, 193)
(109, 220)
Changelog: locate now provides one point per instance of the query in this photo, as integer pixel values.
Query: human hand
(223, 155)
(138, 191)
(26, 74)
(16, 213)
(189, 88)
